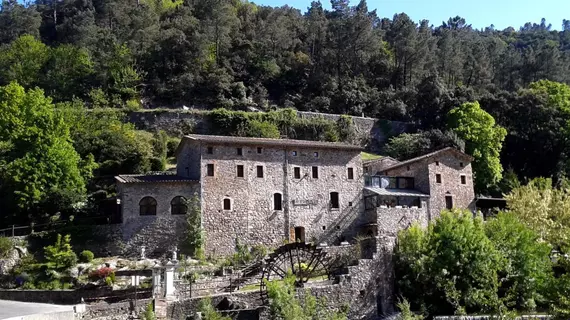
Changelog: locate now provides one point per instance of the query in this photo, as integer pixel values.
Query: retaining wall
(179, 122)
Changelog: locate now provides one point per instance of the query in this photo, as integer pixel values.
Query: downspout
(286, 195)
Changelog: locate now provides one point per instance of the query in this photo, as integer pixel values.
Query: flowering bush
(102, 273)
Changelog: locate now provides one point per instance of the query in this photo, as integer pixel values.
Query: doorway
(300, 234)
(448, 202)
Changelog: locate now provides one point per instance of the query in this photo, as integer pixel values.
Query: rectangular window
(294, 153)
(438, 178)
(277, 201)
(210, 169)
(437, 163)
(316, 154)
(461, 164)
(350, 173)
(259, 149)
(334, 200)
(240, 171)
(260, 171)
(227, 204)
(315, 172)
(210, 150)
(463, 180)
(239, 151)
(297, 173)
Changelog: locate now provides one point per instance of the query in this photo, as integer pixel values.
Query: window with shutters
(210, 169)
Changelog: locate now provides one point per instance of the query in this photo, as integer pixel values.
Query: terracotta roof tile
(429, 155)
(154, 178)
(272, 142)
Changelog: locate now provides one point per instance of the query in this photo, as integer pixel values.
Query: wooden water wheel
(303, 260)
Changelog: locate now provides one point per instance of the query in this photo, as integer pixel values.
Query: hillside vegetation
(500, 95)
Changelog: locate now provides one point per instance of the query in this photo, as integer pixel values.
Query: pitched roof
(270, 142)
(384, 158)
(153, 178)
(458, 153)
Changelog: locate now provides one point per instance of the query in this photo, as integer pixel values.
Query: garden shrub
(86, 256)
(5, 247)
(60, 254)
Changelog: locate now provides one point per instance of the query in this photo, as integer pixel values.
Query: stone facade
(281, 188)
(445, 175)
(164, 228)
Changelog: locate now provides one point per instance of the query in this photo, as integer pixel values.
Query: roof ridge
(426, 156)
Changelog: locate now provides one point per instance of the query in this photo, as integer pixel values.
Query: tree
(17, 20)
(452, 263)
(68, 72)
(37, 157)
(22, 61)
(195, 234)
(411, 145)
(208, 311)
(544, 209)
(483, 140)
(526, 267)
(284, 304)
(60, 253)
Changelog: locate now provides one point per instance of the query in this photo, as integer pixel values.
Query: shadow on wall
(345, 226)
(159, 235)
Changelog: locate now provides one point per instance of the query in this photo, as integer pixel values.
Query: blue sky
(478, 13)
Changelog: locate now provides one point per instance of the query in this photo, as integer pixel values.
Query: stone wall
(114, 311)
(68, 296)
(253, 218)
(160, 232)
(391, 220)
(451, 169)
(179, 122)
(448, 165)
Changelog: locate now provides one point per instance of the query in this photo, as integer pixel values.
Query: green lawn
(369, 156)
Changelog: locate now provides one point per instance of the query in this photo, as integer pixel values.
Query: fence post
(13, 227)
(31, 227)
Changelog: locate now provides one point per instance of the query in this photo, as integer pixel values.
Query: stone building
(253, 190)
(399, 193)
(270, 191)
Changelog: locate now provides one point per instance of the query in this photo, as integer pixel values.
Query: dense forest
(208, 54)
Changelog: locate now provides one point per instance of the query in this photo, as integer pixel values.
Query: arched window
(178, 205)
(277, 201)
(227, 204)
(147, 206)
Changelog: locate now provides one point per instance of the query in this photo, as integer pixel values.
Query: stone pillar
(156, 270)
(169, 279)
